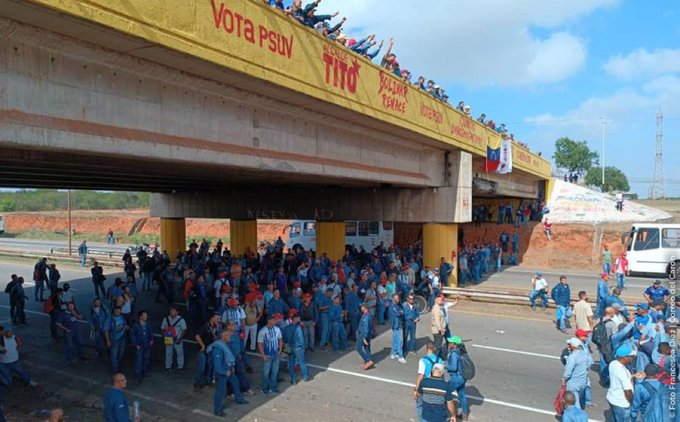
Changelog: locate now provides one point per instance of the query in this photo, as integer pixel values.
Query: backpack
(664, 377)
(602, 340)
(170, 333)
(467, 366)
(49, 305)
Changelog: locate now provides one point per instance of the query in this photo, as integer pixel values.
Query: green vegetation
(574, 156)
(52, 200)
(614, 179)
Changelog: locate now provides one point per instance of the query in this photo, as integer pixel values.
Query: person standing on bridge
(82, 253)
(561, 294)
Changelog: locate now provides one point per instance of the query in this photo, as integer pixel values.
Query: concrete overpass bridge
(231, 109)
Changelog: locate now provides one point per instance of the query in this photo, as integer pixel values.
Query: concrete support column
(243, 234)
(330, 238)
(441, 240)
(173, 236)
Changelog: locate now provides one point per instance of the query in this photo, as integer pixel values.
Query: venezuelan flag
(493, 153)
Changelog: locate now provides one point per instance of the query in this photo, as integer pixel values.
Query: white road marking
(519, 352)
(344, 372)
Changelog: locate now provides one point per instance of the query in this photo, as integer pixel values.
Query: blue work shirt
(335, 313)
(612, 299)
(141, 335)
(99, 319)
(222, 357)
(561, 294)
(68, 320)
(116, 407)
(396, 316)
(277, 306)
(657, 293)
(352, 303)
(365, 326)
(574, 414)
(235, 345)
(602, 291)
(576, 369)
(325, 301)
(411, 313)
(642, 396)
(116, 327)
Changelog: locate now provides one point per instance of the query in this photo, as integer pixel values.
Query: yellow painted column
(441, 241)
(243, 236)
(549, 186)
(330, 238)
(173, 236)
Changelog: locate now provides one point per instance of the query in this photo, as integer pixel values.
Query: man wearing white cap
(575, 375)
(620, 392)
(437, 397)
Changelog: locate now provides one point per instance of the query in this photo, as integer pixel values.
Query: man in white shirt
(620, 392)
(540, 288)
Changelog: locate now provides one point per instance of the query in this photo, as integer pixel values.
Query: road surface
(515, 351)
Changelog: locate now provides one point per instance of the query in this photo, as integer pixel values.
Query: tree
(574, 156)
(614, 179)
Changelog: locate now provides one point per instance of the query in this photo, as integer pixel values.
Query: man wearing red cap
(602, 294)
(235, 313)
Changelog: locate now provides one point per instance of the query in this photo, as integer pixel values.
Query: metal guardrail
(90, 251)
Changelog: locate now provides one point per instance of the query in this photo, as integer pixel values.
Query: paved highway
(514, 349)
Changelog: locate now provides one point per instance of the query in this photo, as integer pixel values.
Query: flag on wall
(505, 161)
(493, 153)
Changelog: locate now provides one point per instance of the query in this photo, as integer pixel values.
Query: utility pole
(70, 232)
(657, 190)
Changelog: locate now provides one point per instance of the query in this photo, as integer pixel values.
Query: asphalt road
(519, 280)
(515, 351)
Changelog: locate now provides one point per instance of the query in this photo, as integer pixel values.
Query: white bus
(653, 248)
(368, 234)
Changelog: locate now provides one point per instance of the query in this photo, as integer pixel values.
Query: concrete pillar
(173, 236)
(549, 186)
(243, 235)
(441, 240)
(330, 238)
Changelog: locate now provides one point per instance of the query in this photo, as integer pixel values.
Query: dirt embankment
(122, 222)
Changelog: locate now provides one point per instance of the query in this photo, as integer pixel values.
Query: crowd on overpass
(369, 47)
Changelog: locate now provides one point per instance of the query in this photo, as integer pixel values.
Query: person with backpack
(99, 317)
(644, 393)
(173, 328)
(457, 377)
(620, 392)
(98, 279)
(295, 340)
(82, 253)
(437, 397)
(425, 365)
(40, 278)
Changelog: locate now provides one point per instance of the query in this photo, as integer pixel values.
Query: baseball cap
(617, 306)
(604, 276)
(277, 316)
(657, 281)
(233, 301)
(454, 340)
(643, 306)
(539, 274)
(581, 333)
(624, 351)
(438, 367)
(306, 295)
(574, 342)
(292, 311)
